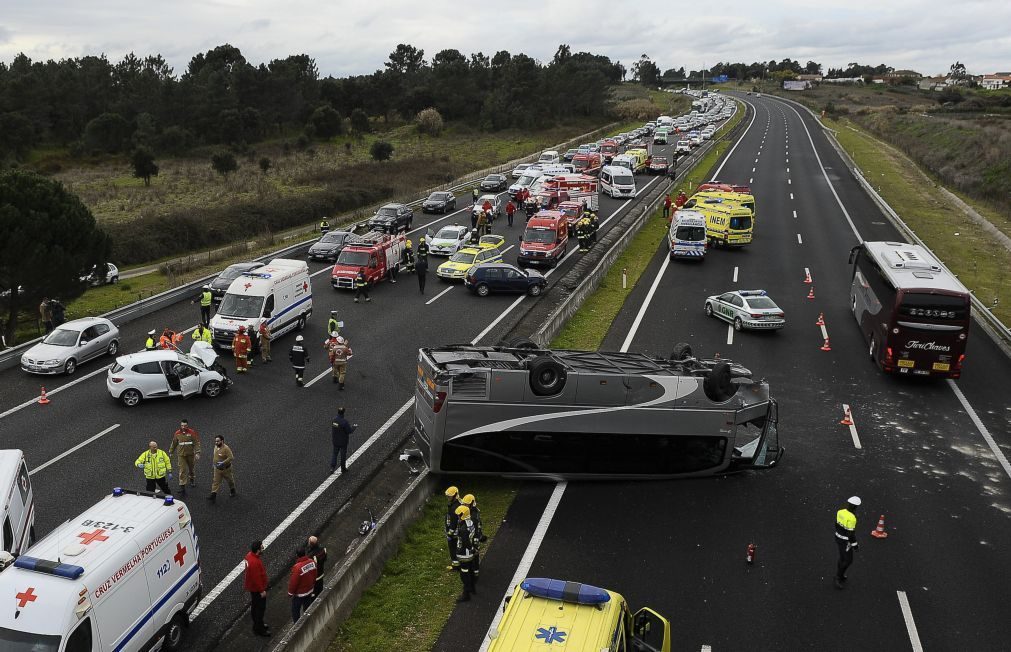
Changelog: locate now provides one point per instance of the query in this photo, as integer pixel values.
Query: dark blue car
(503, 277)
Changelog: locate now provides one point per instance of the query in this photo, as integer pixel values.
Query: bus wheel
(717, 385)
(523, 343)
(547, 376)
(682, 350)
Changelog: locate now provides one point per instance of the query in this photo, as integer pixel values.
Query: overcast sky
(356, 37)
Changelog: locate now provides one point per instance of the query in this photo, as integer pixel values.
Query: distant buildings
(996, 81)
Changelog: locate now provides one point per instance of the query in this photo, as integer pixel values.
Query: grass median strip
(411, 602)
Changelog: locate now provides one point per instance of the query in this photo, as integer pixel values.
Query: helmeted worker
(452, 520)
(202, 334)
(475, 515)
(361, 286)
(324, 227)
(466, 552)
(205, 297)
(338, 351)
(422, 247)
(240, 348)
(264, 332)
(298, 357)
(408, 256)
(222, 461)
(151, 344)
(156, 466)
(583, 233)
(186, 440)
(333, 324)
(846, 538)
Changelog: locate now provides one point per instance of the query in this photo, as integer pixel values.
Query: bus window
(933, 307)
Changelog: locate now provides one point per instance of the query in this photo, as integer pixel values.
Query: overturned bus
(524, 411)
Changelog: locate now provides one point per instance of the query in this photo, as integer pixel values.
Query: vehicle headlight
(52, 363)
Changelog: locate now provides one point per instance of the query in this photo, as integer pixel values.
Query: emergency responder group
(464, 535)
(186, 446)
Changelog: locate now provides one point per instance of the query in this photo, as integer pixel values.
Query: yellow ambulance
(736, 198)
(727, 224)
(546, 614)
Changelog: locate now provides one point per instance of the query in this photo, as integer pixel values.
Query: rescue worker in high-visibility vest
(298, 357)
(324, 227)
(361, 286)
(583, 233)
(156, 466)
(466, 552)
(452, 520)
(151, 344)
(240, 349)
(474, 194)
(333, 324)
(187, 442)
(338, 351)
(846, 538)
(205, 297)
(202, 334)
(264, 333)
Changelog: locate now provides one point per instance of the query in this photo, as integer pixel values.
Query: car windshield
(439, 196)
(333, 238)
(62, 337)
(659, 160)
(232, 272)
(690, 233)
(240, 305)
(15, 641)
(494, 178)
(622, 179)
(448, 233)
(762, 303)
(353, 258)
(387, 211)
(581, 163)
(463, 257)
(528, 179)
(538, 235)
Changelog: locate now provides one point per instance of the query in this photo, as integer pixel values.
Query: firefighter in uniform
(205, 297)
(187, 441)
(466, 552)
(583, 233)
(681, 199)
(338, 351)
(264, 341)
(422, 247)
(151, 344)
(202, 334)
(408, 256)
(453, 494)
(846, 538)
(476, 531)
(361, 286)
(298, 357)
(594, 227)
(333, 324)
(240, 348)
(222, 460)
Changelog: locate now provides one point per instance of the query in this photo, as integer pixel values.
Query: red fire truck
(588, 163)
(580, 187)
(375, 253)
(544, 240)
(608, 149)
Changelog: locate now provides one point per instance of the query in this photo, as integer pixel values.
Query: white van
(122, 576)
(687, 235)
(279, 293)
(549, 157)
(19, 507)
(623, 161)
(617, 181)
(664, 121)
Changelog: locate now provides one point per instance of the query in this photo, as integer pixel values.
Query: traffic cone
(810, 294)
(847, 419)
(43, 399)
(825, 346)
(807, 277)
(821, 319)
(879, 531)
(750, 555)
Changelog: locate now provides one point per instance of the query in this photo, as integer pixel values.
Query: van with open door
(19, 503)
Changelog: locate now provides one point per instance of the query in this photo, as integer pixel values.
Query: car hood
(324, 246)
(442, 242)
(204, 352)
(222, 283)
(382, 218)
(49, 352)
(435, 202)
(449, 265)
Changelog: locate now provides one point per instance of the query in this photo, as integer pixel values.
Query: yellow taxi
(487, 250)
(548, 614)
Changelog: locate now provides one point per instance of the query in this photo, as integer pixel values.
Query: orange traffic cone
(43, 399)
(821, 319)
(879, 531)
(825, 346)
(847, 419)
(807, 277)
(810, 295)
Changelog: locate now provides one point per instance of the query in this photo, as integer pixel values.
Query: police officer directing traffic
(205, 297)
(846, 538)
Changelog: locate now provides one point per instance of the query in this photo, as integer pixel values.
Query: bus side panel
(878, 298)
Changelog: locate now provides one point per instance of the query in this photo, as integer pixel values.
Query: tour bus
(521, 411)
(913, 313)
(542, 612)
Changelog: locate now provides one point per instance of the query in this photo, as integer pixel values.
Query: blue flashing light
(68, 571)
(117, 492)
(573, 592)
(257, 274)
(753, 293)
(169, 500)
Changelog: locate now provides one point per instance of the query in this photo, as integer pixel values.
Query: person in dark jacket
(340, 433)
(452, 521)
(317, 552)
(466, 552)
(59, 312)
(298, 357)
(255, 583)
(421, 269)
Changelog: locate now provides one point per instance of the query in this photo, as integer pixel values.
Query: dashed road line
(789, 182)
(799, 239)
(735, 274)
(320, 271)
(907, 615)
(75, 448)
(794, 214)
(730, 333)
(436, 297)
(791, 195)
(997, 452)
(853, 423)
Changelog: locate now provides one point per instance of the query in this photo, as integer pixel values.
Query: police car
(746, 309)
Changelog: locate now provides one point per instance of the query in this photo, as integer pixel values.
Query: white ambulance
(279, 293)
(19, 507)
(123, 576)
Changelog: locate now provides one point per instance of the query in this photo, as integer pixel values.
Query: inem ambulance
(123, 576)
(279, 293)
(547, 614)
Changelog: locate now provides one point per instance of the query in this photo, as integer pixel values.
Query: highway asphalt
(278, 432)
(938, 581)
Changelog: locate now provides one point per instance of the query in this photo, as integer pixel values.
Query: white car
(683, 147)
(752, 309)
(94, 277)
(519, 170)
(166, 373)
(71, 344)
(448, 240)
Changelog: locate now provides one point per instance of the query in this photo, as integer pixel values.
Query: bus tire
(522, 343)
(717, 385)
(682, 351)
(547, 376)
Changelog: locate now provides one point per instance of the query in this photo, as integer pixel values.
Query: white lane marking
(53, 391)
(318, 272)
(807, 273)
(436, 297)
(788, 170)
(907, 615)
(645, 305)
(298, 511)
(752, 169)
(79, 446)
(328, 370)
(445, 217)
(791, 195)
(787, 160)
(730, 333)
(527, 561)
(735, 274)
(789, 182)
(799, 239)
(795, 214)
(707, 648)
(501, 316)
(734, 148)
(751, 180)
(756, 160)
(758, 154)
(853, 424)
(997, 452)
(824, 331)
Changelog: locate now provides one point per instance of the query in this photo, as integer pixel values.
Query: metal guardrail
(999, 331)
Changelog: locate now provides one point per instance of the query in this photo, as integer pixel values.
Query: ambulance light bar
(573, 592)
(68, 571)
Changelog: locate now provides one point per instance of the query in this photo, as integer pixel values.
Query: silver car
(746, 309)
(167, 373)
(71, 344)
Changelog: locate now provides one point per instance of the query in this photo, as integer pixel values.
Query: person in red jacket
(682, 198)
(666, 206)
(256, 584)
(301, 583)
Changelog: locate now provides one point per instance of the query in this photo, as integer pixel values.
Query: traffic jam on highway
(142, 482)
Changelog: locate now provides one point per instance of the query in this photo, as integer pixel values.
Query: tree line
(93, 105)
(647, 72)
